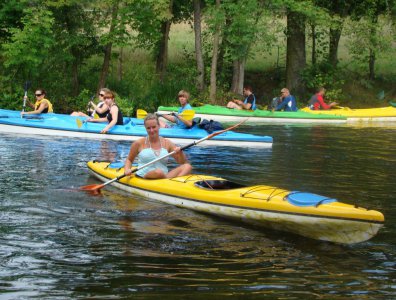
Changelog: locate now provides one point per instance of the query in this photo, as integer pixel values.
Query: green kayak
(228, 115)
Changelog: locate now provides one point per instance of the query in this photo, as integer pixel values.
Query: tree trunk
(120, 69)
(198, 46)
(313, 32)
(213, 69)
(162, 54)
(296, 55)
(373, 33)
(238, 76)
(107, 50)
(371, 65)
(334, 36)
(75, 64)
(76, 86)
(221, 69)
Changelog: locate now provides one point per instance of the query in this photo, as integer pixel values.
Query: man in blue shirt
(249, 103)
(288, 101)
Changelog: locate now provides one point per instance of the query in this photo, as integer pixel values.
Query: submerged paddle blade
(92, 188)
(79, 123)
(141, 114)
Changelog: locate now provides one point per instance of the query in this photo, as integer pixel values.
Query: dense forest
(72, 48)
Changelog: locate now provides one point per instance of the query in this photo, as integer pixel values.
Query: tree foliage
(69, 46)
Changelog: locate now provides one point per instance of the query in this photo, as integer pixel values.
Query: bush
(324, 74)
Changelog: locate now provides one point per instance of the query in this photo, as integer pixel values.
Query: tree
(217, 20)
(11, 13)
(23, 56)
(367, 32)
(75, 33)
(338, 10)
(108, 45)
(241, 33)
(296, 54)
(198, 46)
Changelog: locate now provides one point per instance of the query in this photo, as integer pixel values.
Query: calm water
(57, 243)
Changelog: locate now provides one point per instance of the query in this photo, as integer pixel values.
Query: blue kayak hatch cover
(307, 199)
(116, 165)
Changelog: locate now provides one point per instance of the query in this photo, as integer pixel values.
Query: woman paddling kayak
(152, 147)
(41, 106)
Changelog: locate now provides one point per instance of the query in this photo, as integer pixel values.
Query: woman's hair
(42, 91)
(109, 93)
(151, 116)
(184, 94)
(104, 90)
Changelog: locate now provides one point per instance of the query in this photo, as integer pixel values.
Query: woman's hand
(105, 130)
(129, 172)
(177, 150)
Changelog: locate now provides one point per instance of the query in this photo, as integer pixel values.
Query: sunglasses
(101, 95)
(38, 95)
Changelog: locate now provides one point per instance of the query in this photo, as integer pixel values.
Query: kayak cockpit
(218, 185)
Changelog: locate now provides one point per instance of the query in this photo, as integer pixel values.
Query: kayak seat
(307, 199)
(218, 184)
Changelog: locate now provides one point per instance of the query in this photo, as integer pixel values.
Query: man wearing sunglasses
(41, 106)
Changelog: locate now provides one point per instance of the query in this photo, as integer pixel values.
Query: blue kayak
(69, 126)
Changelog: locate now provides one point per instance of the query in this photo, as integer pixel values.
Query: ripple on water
(60, 243)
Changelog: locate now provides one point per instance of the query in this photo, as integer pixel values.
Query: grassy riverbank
(265, 71)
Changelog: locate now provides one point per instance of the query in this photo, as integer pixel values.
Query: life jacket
(47, 109)
(312, 101)
(253, 107)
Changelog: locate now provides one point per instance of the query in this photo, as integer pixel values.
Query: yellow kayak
(310, 215)
(362, 114)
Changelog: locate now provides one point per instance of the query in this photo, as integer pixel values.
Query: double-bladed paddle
(97, 187)
(187, 114)
(80, 123)
(26, 87)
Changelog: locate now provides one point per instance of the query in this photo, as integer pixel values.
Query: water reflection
(60, 243)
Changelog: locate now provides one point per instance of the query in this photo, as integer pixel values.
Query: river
(59, 243)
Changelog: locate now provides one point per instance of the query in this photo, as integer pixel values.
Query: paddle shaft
(171, 153)
(24, 98)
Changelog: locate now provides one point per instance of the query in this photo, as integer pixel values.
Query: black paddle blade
(27, 85)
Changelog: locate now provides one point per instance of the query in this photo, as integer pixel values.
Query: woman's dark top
(120, 118)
